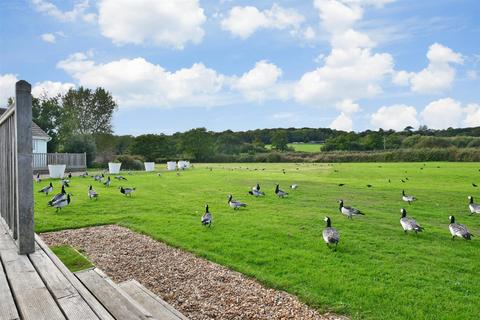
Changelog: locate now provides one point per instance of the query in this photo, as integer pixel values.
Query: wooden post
(24, 190)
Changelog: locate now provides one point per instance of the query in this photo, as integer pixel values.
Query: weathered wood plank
(96, 306)
(150, 301)
(8, 310)
(33, 300)
(111, 297)
(68, 298)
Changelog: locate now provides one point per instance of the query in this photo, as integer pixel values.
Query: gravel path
(198, 288)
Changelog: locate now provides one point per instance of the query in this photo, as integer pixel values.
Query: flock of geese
(63, 199)
(331, 236)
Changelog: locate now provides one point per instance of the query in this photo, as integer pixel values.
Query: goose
(403, 181)
(92, 193)
(107, 182)
(348, 211)
(294, 186)
(46, 189)
(120, 178)
(280, 193)
(409, 224)
(70, 175)
(97, 177)
(369, 186)
(330, 234)
(458, 230)
(62, 203)
(474, 185)
(207, 217)
(256, 187)
(127, 191)
(341, 184)
(474, 207)
(59, 196)
(234, 203)
(256, 193)
(102, 178)
(84, 175)
(37, 179)
(65, 183)
(407, 198)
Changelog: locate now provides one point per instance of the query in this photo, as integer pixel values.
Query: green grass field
(73, 259)
(378, 271)
(302, 147)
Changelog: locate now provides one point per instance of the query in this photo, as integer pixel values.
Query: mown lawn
(378, 271)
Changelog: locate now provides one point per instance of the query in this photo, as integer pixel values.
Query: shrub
(130, 162)
(80, 144)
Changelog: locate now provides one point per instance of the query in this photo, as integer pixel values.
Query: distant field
(378, 271)
(302, 147)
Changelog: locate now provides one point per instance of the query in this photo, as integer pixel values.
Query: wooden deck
(38, 286)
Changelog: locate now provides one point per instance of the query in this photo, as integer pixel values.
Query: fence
(16, 185)
(73, 161)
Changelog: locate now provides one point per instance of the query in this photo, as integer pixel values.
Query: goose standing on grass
(207, 217)
(37, 179)
(65, 183)
(280, 193)
(102, 178)
(256, 187)
(474, 207)
(348, 211)
(59, 196)
(234, 203)
(62, 203)
(120, 178)
(294, 186)
(97, 177)
(409, 224)
(107, 183)
(407, 198)
(92, 193)
(70, 175)
(458, 230)
(256, 193)
(46, 189)
(127, 191)
(84, 175)
(330, 234)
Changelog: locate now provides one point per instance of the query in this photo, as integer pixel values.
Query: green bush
(130, 162)
(80, 144)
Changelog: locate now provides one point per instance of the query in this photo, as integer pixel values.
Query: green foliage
(378, 272)
(196, 144)
(71, 258)
(82, 143)
(280, 140)
(47, 114)
(152, 146)
(130, 162)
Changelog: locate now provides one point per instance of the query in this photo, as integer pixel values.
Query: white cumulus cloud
(50, 88)
(473, 115)
(7, 87)
(79, 11)
(395, 117)
(165, 23)
(442, 114)
(343, 122)
(437, 77)
(244, 21)
(48, 37)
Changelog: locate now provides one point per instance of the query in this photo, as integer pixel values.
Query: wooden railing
(73, 161)
(16, 185)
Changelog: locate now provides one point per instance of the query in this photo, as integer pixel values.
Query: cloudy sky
(177, 64)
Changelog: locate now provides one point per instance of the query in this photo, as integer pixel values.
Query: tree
(47, 114)
(196, 144)
(87, 112)
(82, 143)
(280, 140)
(152, 147)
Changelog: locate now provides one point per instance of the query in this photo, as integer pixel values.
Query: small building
(39, 137)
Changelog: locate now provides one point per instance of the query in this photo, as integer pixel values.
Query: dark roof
(36, 130)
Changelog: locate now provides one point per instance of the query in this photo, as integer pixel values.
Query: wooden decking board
(96, 306)
(8, 310)
(110, 296)
(155, 305)
(68, 298)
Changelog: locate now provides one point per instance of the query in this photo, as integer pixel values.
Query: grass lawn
(378, 271)
(302, 147)
(73, 259)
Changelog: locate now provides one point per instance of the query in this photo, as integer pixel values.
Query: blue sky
(176, 65)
